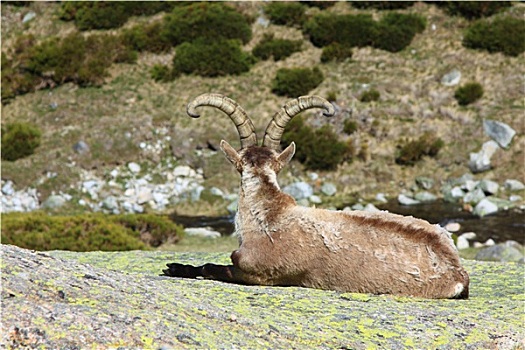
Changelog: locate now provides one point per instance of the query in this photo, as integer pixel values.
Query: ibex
(283, 244)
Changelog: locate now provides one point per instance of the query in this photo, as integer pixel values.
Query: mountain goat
(283, 244)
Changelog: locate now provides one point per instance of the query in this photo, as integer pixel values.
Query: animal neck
(260, 200)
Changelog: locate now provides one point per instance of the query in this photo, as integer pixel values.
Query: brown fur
(284, 244)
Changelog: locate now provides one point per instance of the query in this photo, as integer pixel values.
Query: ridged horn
(236, 113)
(274, 130)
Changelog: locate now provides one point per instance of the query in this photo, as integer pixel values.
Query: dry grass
(130, 107)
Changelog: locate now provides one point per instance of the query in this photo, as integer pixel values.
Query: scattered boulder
(28, 17)
(474, 197)
(499, 132)
(514, 185)
(485, 207)
(453, 226)
(134, 167)
(405, 200)
(425, 183)
(425, 196)
(380, 197)
(8, 188)
(500, 252)
(371, 208)
(480, 161)
(489, 187)
(315, 199)
(452, 78)
(462, 243)
(81, 147)
(328, 189)
(299, 190)
(54, 202)
(205, 232)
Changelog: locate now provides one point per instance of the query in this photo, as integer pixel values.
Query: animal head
(251, 157)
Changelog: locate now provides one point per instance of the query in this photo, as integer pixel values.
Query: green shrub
(410, 152)
(382, 5)
(296, 82)
(350, 126)
(211, 58)
(19, 140)
(205, 20)
(335, 52)
(78, 59)
(503, 34)
(472, 9)
(319, 4)
(396, 31)
(468, 93)
(332, 96)
(146, 37)
(285, 13)
(163, 73)
(15, 81)
(370, 95)
(317, 149)
(349, 30)
(277, 48)
(89, 15)
(88, 232)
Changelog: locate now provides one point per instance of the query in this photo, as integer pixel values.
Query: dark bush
(317, 149)
(205, 20)
(211, 58)
(472, 9)
(410, 152)
(14, 80)
(88, 232)
(382, 5)
(503, 34)
(335, 52)
(396, 31)
(78, 59)
(277, 48)
(370, 95)
(285, 13)
(468, 93)
(349, 30)
(109, 14)
(19, 140)
(350, 126)
(296, 82)
(163, 73)
(146, 37)
(319, 4)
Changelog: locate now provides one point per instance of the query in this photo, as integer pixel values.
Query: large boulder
(499, 132)
(480, 161)
(104, 300)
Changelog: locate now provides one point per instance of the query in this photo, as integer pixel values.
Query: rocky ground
(107, 300)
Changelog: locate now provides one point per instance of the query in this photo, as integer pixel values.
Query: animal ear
(232, 155)
(286, 156)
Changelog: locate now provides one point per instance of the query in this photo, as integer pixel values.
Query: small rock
(114, 173)
(371, 208)
(28, 16)
(452, 78)
(357, 206)
(202, 232)
(513, 185)
(8, 189)
(499, 132)
(232, 207)
(313, 176)
(489, 187)
(380, 197)
(315, 199)
(469, 185)
(453, 227)
(183, 171)
(489, 242)
(303, 202)
(217, 192)
(462, 243)
(144, 195)
(134, 167)
(480, 161)
(515, 198)
(474, 197)
(485, 207)
(53, 202)
(405, 200)
(81, 147)
(110, 203)
(425, 196)
(499, 252)
(328, 189)
(299, 190)
(137, 208)
(469, 235)
(425, 183)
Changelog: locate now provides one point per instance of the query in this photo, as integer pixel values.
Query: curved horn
(237, 114)
(274, 130)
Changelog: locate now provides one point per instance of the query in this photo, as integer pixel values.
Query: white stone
(202, 232)
(134, 167)
(462, 243)
(328, 189)
(453, 227)
(114, 173)
(315, 199)
(514, 185)
(299, 190)
(452, 78)
(481, 161)
(488, 186)
(499, 132)
(489, 242)
(515, 198)
(469, 235)
(380, 197)
(144, 195)
(371, 208)
(183, 171)
(405, 200)
(485, 207)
